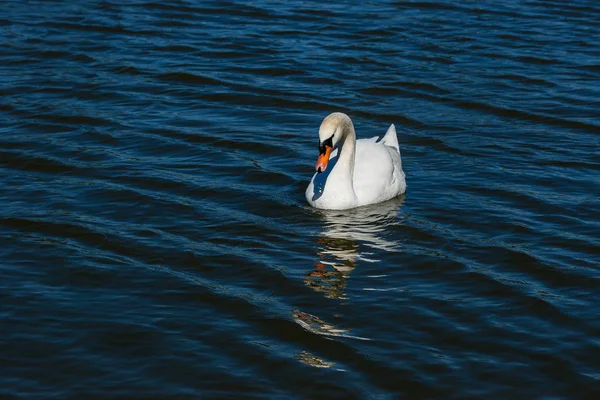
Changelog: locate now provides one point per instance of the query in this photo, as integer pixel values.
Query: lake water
(155, 238)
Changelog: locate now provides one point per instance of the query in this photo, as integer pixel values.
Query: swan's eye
(324, 144)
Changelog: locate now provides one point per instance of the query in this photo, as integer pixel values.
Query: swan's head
(331, 132)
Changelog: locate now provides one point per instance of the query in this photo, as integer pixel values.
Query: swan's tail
(391, 138)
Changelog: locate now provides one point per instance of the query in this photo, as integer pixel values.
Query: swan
(353, 173)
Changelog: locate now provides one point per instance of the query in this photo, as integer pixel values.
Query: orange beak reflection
(323, 159)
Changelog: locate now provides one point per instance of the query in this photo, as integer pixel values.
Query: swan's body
(353, 173)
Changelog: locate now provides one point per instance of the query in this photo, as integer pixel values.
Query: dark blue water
(155, 239)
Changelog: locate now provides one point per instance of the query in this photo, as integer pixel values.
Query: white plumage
(358, 172)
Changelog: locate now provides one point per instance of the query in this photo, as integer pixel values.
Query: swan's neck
(344, 168)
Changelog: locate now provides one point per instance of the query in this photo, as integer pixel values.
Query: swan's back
(378, 174)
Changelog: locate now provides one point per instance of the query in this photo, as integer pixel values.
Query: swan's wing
(373, 170)
(391, 138)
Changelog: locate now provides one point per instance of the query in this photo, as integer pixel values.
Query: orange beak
(323, 159)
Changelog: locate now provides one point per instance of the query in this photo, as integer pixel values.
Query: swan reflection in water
(350, 237)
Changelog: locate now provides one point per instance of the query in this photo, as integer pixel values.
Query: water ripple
(155, 237)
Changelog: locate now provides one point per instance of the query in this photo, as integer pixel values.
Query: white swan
(353, 173)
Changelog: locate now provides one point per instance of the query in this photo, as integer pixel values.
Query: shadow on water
(348, 238)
